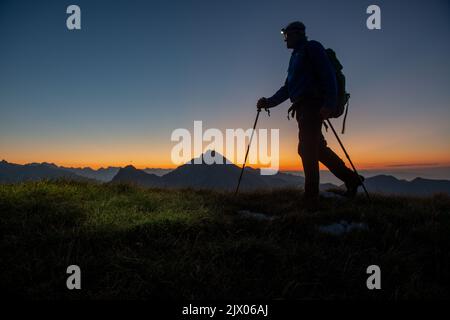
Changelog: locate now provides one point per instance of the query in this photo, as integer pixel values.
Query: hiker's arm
(279, 97)
(327, 76)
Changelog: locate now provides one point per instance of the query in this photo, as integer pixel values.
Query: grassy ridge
(135, 243)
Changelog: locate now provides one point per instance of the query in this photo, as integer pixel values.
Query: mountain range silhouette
(216, 176)
(197, 173)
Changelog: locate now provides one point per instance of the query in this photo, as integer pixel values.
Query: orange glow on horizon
(141, 156)
(295, 165)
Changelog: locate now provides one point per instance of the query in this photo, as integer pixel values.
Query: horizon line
(391, 166)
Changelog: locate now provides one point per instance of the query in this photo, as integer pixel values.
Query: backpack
(342, 95)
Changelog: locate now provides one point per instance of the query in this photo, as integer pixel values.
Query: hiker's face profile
(291, 39)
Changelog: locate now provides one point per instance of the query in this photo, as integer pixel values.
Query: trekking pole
(248, 148)
(348, 157)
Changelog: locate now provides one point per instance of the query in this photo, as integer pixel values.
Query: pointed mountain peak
(210, 157)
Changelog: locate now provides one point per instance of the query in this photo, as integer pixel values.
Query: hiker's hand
(263, 103)
(291, 111)
(325, 113)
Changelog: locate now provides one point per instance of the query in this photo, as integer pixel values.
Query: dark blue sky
(113, 92)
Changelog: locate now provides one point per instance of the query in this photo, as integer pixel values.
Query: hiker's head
(293, 33)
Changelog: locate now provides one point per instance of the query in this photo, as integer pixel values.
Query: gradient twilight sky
(113, 92)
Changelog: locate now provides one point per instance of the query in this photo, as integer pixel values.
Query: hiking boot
(352, 187)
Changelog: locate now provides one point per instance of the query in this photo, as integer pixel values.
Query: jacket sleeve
(280, 96)
(326, 73)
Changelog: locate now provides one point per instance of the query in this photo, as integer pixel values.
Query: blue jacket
(308, 75)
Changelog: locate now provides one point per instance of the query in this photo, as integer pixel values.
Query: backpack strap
(347, 104)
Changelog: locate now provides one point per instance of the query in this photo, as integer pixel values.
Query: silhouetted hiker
(311, 87)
